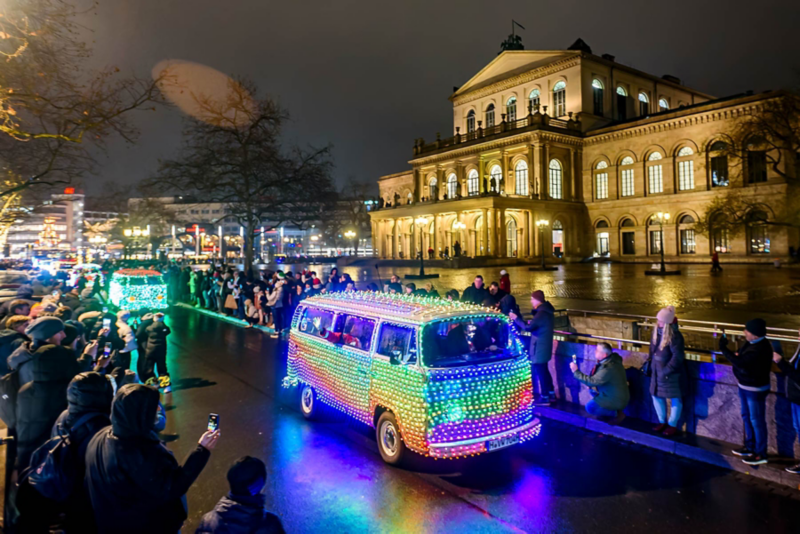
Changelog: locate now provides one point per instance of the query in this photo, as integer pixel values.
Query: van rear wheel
(308, 402)
(390, 442)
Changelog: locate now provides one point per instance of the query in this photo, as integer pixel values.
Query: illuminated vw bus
(443, 379)
(138, 289)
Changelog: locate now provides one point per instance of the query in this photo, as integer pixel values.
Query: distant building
(593, 147)
(62, 214)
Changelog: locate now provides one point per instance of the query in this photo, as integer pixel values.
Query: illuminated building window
(534, 98)
(644, 104)
(490, 116)
(521, 178)
(471, 121)
(473, 187)
(597, 97)
(511, 109)
(556, 179)
(560, 99)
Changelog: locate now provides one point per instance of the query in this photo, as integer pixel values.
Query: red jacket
(505, 283)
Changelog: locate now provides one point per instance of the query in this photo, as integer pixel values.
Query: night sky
(371, 76)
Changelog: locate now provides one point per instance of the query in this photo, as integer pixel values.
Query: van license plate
(499, 443)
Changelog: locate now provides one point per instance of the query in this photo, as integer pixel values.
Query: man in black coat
(135, 484)
(243, 510)
(156, 354)
(476, 293)
(751, 367)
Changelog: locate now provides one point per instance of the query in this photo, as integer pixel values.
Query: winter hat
(247, 476)
(86, 293)
(757, 327)
(317, 282)
(44, 328)
(71, 333)
(538, 295)
(281, 275)
(666, 315)
(503, 271)
(13, 322)
(123, 315)
(77, 325)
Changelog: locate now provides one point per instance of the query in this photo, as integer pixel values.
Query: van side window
(316, 322)
(398, 341)
(353, 331)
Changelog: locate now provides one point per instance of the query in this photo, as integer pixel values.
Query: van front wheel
(308, 402)
(390, 443)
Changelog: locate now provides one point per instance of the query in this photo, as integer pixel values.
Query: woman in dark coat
(135, 484)
(668, 380)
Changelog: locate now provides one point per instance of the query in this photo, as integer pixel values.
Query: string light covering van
(441, 378)
(137, 289)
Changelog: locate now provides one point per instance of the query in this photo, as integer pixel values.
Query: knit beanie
(757, 327)
(666, 315)
(247, 476)
(538, 295)
(44, 328)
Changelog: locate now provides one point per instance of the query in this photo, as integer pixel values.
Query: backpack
(9, 387)
(52, 471)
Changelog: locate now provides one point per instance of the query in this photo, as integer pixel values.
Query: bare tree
(350, 213)
(232, 155)
(771, 132)
(53, 111)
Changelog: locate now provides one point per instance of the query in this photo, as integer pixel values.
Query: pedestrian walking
(135, 484)
(156, 372)
(668, 372)
(715, 266)
(752, 364)
(541, 348)
(243, 510)
(505, 281)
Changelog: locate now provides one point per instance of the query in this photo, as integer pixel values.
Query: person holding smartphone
(752, 365)
(135, 483)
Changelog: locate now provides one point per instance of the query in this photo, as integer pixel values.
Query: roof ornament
(514, 41)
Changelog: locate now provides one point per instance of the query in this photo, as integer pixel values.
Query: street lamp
(421, 222)
(351, 235)
(662, 218)
(458, 226)
(542, 224)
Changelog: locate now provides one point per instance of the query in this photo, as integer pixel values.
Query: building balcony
(535, 121)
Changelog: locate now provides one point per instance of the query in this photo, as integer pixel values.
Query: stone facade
(568, 154)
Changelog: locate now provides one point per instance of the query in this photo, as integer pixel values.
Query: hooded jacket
(135, 484)
(157, 339)
(10, 341)
(610, 381)
(541, 329)
(20, 361)
(505, 283)
(41, 401)
(240, 514)
(141, 332)
(752, 364)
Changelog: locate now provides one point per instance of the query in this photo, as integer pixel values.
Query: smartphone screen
(213, 422)
(105, 309)
(106, 323)
(107, 349)
(574, 358)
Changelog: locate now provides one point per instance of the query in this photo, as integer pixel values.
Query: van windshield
(467, 341)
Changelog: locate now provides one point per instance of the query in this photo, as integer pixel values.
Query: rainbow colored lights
(136, 289)
(443, 412)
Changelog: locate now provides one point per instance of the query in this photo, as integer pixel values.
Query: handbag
(646, 368)
(230, 302)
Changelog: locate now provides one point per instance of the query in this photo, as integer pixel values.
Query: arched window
(473, 187)
(601, 224)
(597, 97)
(558, 239)
(759, 235)
(471, 121)
(521, 178)
(628, 237)
(556, 179)
(626, 223)
(534, 98)
(432, 190)
(756, 160)
(490, 116)
(719, 164)
(685, 169)
(663, 105)
(687, 219)
(560, 99)
(495, 174)
(601, 180)
(511, 109)
(644, 104)
(511, 237)
(622, 103)
(452, 186)
(655, 175)
(627, 177)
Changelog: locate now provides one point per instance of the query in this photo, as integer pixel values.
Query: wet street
(327, 476)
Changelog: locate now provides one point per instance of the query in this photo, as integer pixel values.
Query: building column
(481, 173)
(375, 239)
(504, 171)
(461, 179)
(569, 194)
(545, 171)
(459, 236)
(524, 246)
(531, 234)
(472, 239)
(501, 229)
(491, 217)
(485, 232)
(436, 240)
(395, 238)
(533, 171)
